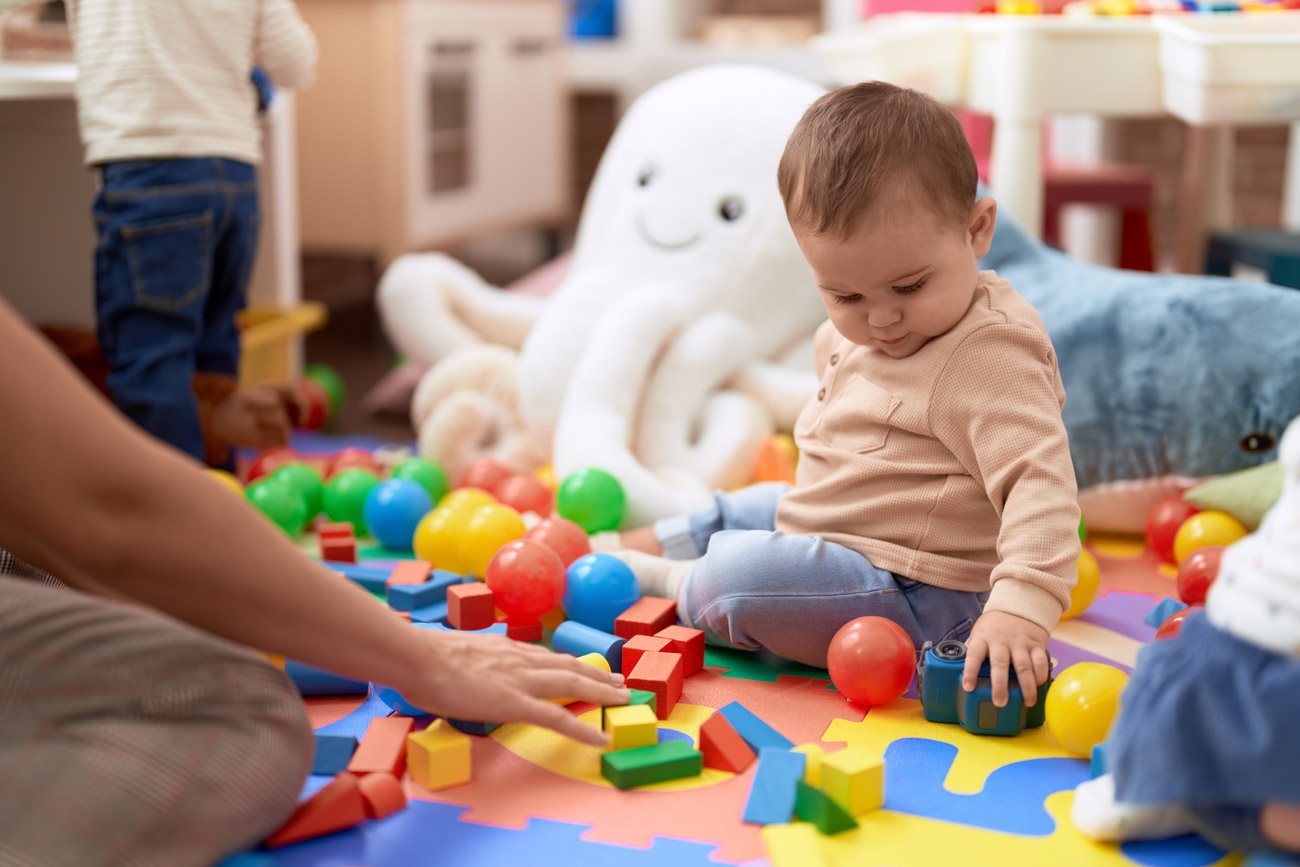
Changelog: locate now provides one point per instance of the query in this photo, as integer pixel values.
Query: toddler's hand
(258, 417)
(495, 679)
(1005, 640)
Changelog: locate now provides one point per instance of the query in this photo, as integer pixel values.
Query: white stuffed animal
(680, 338)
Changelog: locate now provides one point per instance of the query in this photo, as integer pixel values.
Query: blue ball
(599, 588)
(392, 511)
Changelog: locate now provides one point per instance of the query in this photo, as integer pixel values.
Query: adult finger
(560, 683)
(557, 719)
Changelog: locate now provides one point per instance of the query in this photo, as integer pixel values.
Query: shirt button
(821, 395)
(835, 358)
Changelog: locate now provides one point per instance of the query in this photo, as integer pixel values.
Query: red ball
(313, 407)
(563, 537)
(525, 494)
(1163, 522)
(1197, 573)
(354, 458)
(871, 660)
(270, 460)
(527, 578)
(486, 474)
(1174, 623)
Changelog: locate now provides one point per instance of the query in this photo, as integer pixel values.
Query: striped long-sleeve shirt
(159, 79)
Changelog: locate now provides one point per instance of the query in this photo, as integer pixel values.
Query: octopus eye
(1257, 442)
(731, 208)
(645, 176)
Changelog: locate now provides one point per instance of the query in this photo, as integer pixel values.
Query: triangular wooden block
(814, 805)
(383, 795)
(335, 807)
(723, 748)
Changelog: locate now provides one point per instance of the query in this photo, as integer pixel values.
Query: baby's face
(902, 278)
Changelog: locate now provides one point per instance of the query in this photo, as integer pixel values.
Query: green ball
(426, 474)
(279, 502)
(592, 499)
(307, 482)
(328, 378)
(1083, 529)
(345, 497)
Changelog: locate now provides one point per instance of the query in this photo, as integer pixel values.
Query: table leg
(1204, 195)
(1016, 172)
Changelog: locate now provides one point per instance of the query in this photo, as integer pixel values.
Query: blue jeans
(754, 587)
(177, 239)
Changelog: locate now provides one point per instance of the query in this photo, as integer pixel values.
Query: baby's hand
(258, 417)
(1006, 639)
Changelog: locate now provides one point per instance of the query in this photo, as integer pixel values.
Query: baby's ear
(983, 219)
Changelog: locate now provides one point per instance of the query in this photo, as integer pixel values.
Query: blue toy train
(938, 680)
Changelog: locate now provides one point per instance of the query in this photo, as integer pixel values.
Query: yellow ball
(546, 475)
(1085, 590)
(437, 539)
(1082, 703)
(469, 499)
(486, 530)
(785, 443)
(1204, 529)
(228, 480)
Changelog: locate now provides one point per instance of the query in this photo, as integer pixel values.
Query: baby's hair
(857, 143)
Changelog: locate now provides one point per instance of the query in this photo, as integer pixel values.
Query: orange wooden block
(470, 606)
(337, 806)
(338, 550)
(689, 643)
(340, 530)
(383, 795)
(773, 464)
(660, 673)
(383, 747)
(639, 644)
(410, 572)
(723, 748)
(649, 615)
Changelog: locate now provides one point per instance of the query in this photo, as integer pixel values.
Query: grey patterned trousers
(129, 738)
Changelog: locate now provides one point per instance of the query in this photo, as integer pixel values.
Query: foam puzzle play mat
(722, 756)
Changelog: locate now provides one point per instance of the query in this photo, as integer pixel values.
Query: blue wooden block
(1163, 609)
(758, 734)
(369, 577)
(333, 752)
(409, 597)
(313, 681)
(579, 639)
(772, 794)
(436, 613)
(1099, 764)
(473, 728)
(398, 702)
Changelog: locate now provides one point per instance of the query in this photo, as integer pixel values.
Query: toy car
(938, 680)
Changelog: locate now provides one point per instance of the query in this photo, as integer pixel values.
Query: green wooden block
(669, 760)
(813, 805)
(639, 696)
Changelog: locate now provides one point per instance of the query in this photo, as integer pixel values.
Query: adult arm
(91, 499)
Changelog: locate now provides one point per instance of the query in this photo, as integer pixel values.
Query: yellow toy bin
(269, 339)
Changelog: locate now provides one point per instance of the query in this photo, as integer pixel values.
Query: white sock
(1100, 817)
(657, 576)
(606, 542)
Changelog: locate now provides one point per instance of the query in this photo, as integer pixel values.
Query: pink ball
(563, 537)
(525, 494)
(527, 578)
(871, 660)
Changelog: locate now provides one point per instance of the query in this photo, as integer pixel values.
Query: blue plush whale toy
(1169, 378)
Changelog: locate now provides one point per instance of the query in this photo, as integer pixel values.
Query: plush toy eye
(731, 208)
(1257, 442)
(645, 176)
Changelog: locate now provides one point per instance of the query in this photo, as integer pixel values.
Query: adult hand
(1005, 640)
(494, 679)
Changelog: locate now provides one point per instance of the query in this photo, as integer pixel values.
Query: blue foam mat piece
(429, 832)
(1186, 851)
(355, 723)
(333, 752)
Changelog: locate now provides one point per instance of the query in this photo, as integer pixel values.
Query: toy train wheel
(950, 650)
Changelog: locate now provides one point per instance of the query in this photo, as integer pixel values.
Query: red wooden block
(722, 747)
(337, 806)
(410, 572)
(526, 632)
(689, 643)
(470, 606)
(383, 795)
(383, 747)
(660, 673)
(338, 550)
(639, 644)
(340, 530)
(649, 615)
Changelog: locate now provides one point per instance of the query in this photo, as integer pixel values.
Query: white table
(1213, 71)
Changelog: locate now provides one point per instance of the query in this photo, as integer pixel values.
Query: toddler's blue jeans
(177, 240)
(754, 587)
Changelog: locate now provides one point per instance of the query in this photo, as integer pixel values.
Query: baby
(934, 486)
(1206, 738)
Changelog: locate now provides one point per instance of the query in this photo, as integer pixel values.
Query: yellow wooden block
(855, 779)
(812, 773)
(632, 726)
(595, 660)
(438, 757)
